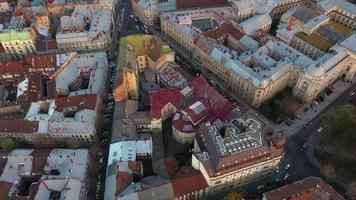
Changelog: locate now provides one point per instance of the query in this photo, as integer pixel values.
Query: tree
(340, 127)
(329, 171)
(234, 196)
(8, 144)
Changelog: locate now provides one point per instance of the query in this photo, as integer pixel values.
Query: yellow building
(19, 44)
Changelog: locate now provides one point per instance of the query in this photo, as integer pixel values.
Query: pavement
(339, 88)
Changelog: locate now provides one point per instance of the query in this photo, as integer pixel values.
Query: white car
(285, 176)
(287, 167)
(320, 129)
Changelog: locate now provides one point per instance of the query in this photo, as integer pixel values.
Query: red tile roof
(225, 28)
(4, 189)
(218, 104)
(215, 103)
(306, 189)
(196, 117)
(39, 157)
(18, 126)
(199, 3)
(189, 184)
(172, 166)
(88, 101)
(41, 61)
(182, 125)
(135, 166)
(12, 67)
(123, 180)
(162, 98)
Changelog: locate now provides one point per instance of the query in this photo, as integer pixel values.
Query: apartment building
(307, 188)
(53, 97)
(237, 153)
(86, 29)
(340, 11)
(256, 69)
(45, 174)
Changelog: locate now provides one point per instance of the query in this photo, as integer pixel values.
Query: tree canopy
(8, 144)
(340, 127)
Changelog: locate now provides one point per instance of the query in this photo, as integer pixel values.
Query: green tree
(234, 196)
(8, 144)
(329, 171)
(340, 128)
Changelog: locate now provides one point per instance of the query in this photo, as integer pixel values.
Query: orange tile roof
(18, 126)
(306, 189)
(189, 184)
(89, 100)
(4, 189)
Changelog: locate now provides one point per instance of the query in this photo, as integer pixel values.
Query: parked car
(320, 129)
(287, 166)
(285, 176)
(304, 147)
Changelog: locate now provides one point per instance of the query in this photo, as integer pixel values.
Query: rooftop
(308, 188)
(189, 184)
(240, 144)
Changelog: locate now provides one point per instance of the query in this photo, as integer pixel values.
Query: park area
(281, 106)
(335, 147)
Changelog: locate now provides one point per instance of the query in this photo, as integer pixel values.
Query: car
(277, 180)
(99, 153)
(320, 129)
(276, 171)
(260, 187)
(101, 160)
(287, 166)
(304, 147)
(288, 123)
(306, 109)
(309, 124)
(285, 176)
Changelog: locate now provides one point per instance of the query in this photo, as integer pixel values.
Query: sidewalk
(339, 88)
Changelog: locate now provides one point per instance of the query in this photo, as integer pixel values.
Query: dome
(278, 140)
(316, 70)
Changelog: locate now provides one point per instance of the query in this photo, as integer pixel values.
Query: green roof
(339, 28)
(15, 35)
(167, 50)
(315, 40)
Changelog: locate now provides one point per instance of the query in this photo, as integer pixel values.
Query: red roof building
(196, 103)
(190, 184)
(4, 189)
(88, 101)
(18, 126)
(306, 189)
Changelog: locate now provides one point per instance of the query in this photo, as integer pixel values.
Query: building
(148, 11)
(125, 151)
(190, 107)
(45, 174)
(141, 52)
(236, 153)
(18, 43)
(53, 96)
(307, 188)
(340, 11)
(172, 75)
(255, 68)
(87, 28)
